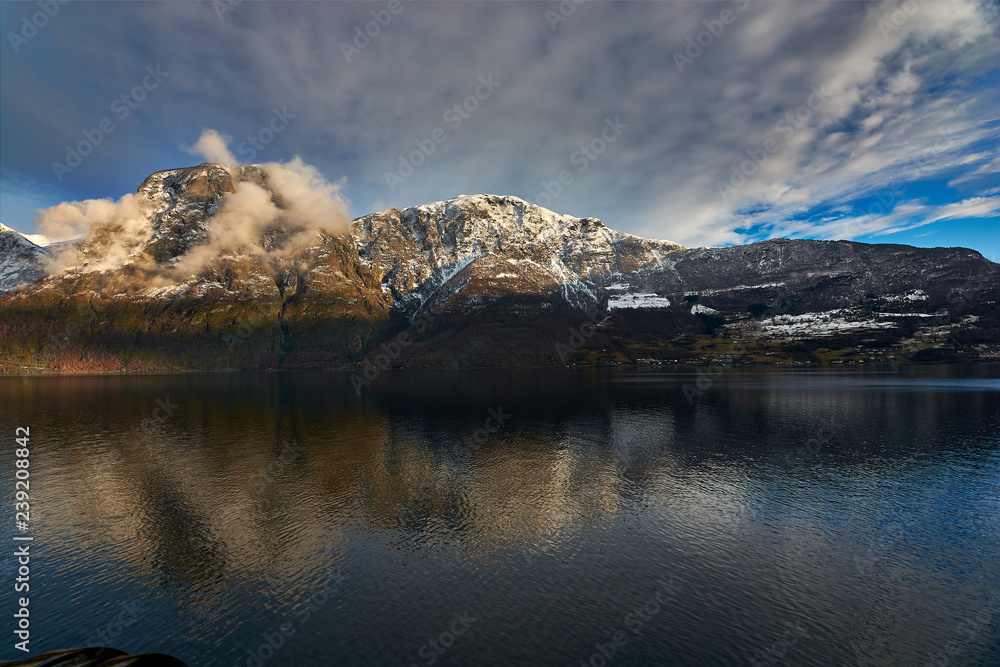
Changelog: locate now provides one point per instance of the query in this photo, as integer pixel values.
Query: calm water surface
(752, 517)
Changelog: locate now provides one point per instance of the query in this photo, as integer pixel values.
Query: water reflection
(864, 505)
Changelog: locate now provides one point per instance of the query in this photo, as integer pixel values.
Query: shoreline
(8, 372)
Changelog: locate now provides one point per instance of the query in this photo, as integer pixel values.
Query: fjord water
(818, 517)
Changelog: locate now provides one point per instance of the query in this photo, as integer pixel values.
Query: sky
(703, 123)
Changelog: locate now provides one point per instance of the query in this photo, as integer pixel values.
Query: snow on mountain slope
(20, 259)
(496, 244)
(505, 278)
(481, 246)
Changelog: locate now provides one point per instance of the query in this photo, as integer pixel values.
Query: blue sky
(706, 123)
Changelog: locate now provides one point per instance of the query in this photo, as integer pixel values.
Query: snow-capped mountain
(21, 260)
(490, 245)
(474, 280)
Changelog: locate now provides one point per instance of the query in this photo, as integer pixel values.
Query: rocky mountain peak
(172, 268)
(21, 260)
(427, 253)
(182, 200)
(203, 182)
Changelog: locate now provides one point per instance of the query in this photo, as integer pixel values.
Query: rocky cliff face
(239, 309)
(487, 247)
(21, 261)
(476, 280)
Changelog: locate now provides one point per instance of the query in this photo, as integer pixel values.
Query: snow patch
(910, 314)
(644, 300)
(818, 324)
(740, 287)
(915, 295)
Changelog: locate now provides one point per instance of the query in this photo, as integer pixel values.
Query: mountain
(477, 280)
(486, 247)
(21, 261)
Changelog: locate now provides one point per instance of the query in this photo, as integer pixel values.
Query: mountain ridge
(489, 280)
(22, 259)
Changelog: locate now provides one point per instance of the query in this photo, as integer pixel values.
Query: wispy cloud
(907, 215)
(902, 105)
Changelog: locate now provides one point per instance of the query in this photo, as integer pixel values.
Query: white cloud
(214, 147)
(125, 224)
(905, 216)
(881, 129)
(902, 105)
(986, 169)
(297, 204)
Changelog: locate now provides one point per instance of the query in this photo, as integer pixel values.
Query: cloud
(273, 223)
(880, 128)
(113, 231)
(306, 196)
(38, 239)
(214, 148)
(904, 216)
(906, 104)
(975, 207)
(984, 170)
(239, 224)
